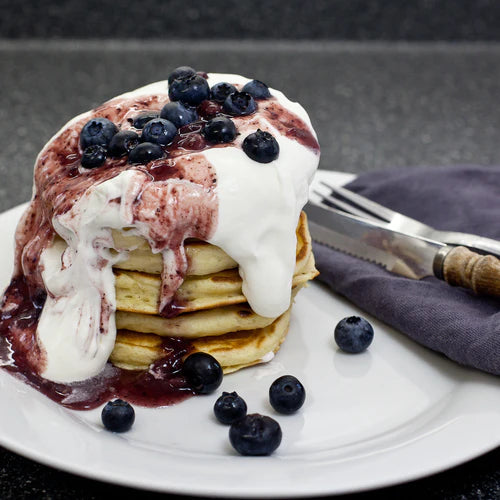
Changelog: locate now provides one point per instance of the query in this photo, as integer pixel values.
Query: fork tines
(353, 203)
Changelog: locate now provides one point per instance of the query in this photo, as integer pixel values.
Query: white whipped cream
(259, 206)
(76, 339)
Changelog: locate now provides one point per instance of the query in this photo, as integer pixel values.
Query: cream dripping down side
(258, 208)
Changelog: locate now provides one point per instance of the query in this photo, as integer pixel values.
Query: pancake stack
(213, 314)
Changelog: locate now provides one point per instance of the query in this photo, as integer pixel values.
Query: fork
(363, 207)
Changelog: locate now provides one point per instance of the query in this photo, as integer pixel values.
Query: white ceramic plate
(394, 413)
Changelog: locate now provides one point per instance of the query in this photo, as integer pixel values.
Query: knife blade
(405, 254)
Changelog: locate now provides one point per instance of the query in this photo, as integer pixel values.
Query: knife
(405, 254)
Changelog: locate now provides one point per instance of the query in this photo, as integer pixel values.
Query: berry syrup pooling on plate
(167, 163)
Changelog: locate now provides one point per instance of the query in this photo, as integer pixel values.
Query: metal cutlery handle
(480, 273)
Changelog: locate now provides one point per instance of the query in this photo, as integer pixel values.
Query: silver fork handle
(472, 241)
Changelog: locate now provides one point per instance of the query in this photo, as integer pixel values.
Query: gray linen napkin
(450, 320)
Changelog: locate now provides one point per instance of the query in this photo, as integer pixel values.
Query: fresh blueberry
(145, 152)
(229, 408)
(221, 90)
(261, 146)
(122, 143)
(287, 394)
(143, 118)
(97, 131)
(219, 130)
(93, 156)
(159, 131)
(190, 90)
(178, 114)
(255, 435)
(180, 72)
(353, 334)
(203, 372)
(239, 104)
(257, 89)
(118, 416)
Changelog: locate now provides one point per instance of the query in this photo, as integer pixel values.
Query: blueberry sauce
(289, 124)
(209, 109)
(189, 138)
(174, 308)
(20, 310)
(163, 384)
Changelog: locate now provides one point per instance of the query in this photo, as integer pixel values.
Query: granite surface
(245, 19)
(373, 105)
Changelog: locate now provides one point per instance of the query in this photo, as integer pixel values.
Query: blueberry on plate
(239, 104)
(143, 118)
(257, 89)
(261, 147)
(229, 408)
(220, 129)
(255, 435)
(189, 89)
(353, 334)
(159, 131)
(118, 416)
(180, 72)
(93, 156)
(221, 90)
(145, 152)
(122, 143)
(178, 113)
(287, 394)
(203, 372)
(97, 131)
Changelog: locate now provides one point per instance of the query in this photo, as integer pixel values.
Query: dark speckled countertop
(374, 105)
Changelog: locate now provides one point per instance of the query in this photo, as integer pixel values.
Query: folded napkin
(450, 320)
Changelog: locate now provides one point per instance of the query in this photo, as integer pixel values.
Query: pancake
(140, 292)
(212, 311)
(210, 322)
(202, 257)
(212, 304)
(235, 350)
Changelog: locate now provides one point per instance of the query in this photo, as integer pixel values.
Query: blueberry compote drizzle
(163, 384)
(289, 124)
(20, 309)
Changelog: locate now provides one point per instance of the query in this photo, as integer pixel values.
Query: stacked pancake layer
(211, 310)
